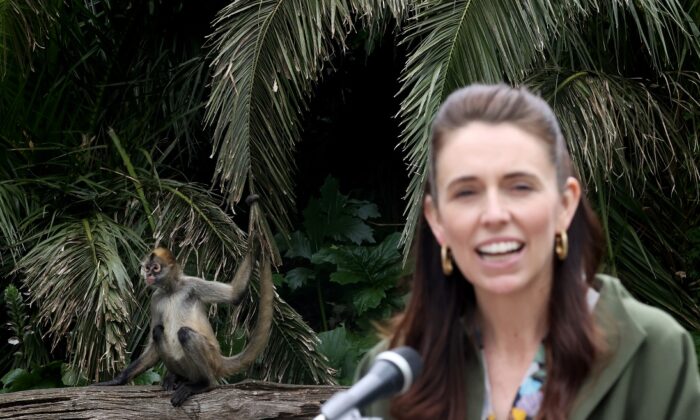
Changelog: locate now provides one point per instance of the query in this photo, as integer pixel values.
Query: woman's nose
(495, 211)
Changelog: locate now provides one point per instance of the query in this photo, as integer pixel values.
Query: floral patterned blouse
(529, 396)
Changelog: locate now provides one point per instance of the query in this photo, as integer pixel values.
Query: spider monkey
(181, 335)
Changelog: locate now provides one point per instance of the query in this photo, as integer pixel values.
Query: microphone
(393, 372)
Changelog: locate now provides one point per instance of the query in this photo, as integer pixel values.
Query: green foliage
(28, 349)
(357, 281)
(37, 377)
(98, 143)
(72, 377)
(372, 271)
(336, 259)
(149, 377)
(344, 351)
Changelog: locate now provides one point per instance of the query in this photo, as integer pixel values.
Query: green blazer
(650, 371)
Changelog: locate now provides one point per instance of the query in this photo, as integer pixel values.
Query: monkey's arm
(216, 292)
(147, 359)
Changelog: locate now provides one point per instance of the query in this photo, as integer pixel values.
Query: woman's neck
(516, 320)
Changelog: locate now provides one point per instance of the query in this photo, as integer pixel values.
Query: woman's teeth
(499, 248)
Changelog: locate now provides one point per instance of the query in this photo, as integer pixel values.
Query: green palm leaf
(641, 251)
(192, 224)
(622, 129)
(14, 206)
(24, 25)
(80, 275)
(266, 55)
(461, 42)
(291, 355)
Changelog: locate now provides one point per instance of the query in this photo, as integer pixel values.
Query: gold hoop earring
(446, 260)
(561, 244)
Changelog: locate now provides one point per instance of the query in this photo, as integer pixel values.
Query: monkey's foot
(186, 389)
(171, 382)
(180, 395)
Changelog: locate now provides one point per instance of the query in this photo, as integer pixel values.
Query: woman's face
(499, 207)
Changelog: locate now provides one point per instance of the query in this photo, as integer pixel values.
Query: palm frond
(24, 25)
(291, 355)
(191, 222)
(266, 55)
(622, 129)
(462, 42)
(641, 251)
(667, 32)
(14, 206)
(181, 106)
(82, 267)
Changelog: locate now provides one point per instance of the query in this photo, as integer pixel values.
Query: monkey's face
(156, 268)
(152, 272)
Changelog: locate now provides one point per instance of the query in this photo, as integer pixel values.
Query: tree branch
(245, 400)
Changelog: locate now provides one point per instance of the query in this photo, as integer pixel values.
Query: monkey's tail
(258, 338)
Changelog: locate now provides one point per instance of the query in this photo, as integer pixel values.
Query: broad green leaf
(366, 299)
(149, 377)
(278, 279)
(72, 377)
(334, 216)
(299, 276)
(10, 377)
(365, 210)
(299, 246)
(347, 277)
(335, 346)
(329, 254)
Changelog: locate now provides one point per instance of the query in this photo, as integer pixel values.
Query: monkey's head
(159, 267)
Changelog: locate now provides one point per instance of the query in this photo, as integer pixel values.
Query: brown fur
(164, 254)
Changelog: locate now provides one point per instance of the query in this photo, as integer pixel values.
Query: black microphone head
(407, 360)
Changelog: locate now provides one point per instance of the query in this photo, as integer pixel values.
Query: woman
(506, 309)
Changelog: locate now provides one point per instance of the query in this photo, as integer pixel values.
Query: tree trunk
(245, 400)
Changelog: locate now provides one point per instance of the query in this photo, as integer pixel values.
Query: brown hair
(432, 322)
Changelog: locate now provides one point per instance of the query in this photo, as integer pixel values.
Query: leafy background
(126, 125)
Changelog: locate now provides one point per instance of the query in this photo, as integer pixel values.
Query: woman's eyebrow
(519, 174)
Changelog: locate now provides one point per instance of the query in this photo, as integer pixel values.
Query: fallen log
(245, 400)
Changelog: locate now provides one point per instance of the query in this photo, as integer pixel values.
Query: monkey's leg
(199, 364)
(148, 358)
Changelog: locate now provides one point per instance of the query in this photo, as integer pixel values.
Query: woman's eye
(522, 187)
(464, 193)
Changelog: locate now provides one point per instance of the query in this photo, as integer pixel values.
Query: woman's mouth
(501, 249)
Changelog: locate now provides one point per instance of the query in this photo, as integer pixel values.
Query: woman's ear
(570, 198)
(431, 214)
